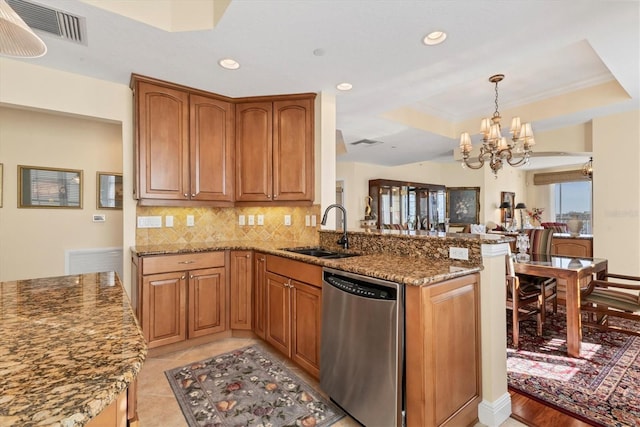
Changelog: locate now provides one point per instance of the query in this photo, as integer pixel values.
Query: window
(573, 199)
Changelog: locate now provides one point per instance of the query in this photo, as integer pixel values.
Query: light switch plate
(287, 220)
(313, 221)
(241, 220)
(252, 219)
(260, 219)
(190, 221)
(307, 220)
(168, 221)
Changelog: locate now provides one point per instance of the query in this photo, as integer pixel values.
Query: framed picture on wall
(44, 187)
(506, 214)
(109, 190)
(463, 205)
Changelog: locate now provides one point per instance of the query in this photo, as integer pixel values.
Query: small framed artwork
(506, 214)
(109, 190)
(463, 205)
(43, 187)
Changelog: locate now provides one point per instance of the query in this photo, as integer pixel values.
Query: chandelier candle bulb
(516, 127)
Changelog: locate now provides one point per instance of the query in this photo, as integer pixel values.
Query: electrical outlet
(190, 221)
(307, 220)
(459, 253)
(149, 222)
(260, 219)
(287, 220)
(240, 219)
(99, 217)
(313, 221)
(168, 221)
(252, 219)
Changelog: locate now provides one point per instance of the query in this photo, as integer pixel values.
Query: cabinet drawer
(182, 262)
(297, 270)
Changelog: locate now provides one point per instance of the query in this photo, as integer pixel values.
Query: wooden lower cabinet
(241, 275)
(293, 310)
(180, 297)
(443, 370)
(114, 415)
(259, 295)
(572, 247)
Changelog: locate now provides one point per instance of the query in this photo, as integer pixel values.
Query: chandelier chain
(496, 113)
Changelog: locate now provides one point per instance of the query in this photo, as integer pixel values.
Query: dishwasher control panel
(360, 287)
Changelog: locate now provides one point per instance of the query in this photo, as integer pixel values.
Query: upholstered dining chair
(522, 305)
(547, 288)
(612, 295)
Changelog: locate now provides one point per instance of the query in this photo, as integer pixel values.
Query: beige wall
(34, 138)
(616, 191)
(29, 86)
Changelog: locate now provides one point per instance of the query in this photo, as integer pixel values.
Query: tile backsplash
(216, 224)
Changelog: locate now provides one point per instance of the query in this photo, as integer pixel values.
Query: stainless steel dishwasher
(362, 347)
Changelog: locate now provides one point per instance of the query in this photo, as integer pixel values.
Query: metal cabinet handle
(186, 195)
(186, 262)
(247, 256)
(183, 277)
(191, 276)
(193, 194)
(268, 196)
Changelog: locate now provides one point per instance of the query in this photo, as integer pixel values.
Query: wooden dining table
(573, 273)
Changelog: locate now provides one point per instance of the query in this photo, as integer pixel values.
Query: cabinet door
(278, 312)
(207, 302)
(241, 269)
(443, 352)
(254, 125)
(163, 308)
(306, 304)
(212, 125)
(162, 122)
(293, 155)
(259, 295)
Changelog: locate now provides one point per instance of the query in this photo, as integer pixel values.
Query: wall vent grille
(51, 21)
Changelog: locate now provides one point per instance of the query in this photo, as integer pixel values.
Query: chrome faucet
(343, 240)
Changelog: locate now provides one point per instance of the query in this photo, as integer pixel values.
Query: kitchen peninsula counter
(412, 258)
(69, 346)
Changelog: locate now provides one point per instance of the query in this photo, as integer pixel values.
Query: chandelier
(587, 168)
(496, 149)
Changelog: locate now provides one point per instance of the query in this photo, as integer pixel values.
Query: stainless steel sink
(319, 253)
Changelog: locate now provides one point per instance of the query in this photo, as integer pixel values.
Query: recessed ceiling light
(344, 86)
(434, 38)
(229, 64)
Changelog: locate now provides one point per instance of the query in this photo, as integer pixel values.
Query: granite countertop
(69, 346)
(409, 270)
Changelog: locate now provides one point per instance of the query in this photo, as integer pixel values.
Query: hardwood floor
(536, 414)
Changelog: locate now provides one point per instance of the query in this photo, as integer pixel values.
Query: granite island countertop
(403, 266)
(69, 346)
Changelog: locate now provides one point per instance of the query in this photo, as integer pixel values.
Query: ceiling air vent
(51, 21)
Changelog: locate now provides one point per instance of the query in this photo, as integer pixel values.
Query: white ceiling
(546, 48)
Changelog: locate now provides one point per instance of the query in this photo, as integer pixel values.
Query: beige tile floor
(157, 406)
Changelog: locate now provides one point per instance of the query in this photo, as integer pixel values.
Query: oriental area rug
(601, 387)
(248, 387)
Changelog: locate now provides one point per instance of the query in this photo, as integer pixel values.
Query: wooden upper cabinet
(293, 177)
(211, 149)
(275, 150)
(254, 147)
(185, 145)
(162, 122)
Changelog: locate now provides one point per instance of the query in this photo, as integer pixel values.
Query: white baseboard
(492, 414)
